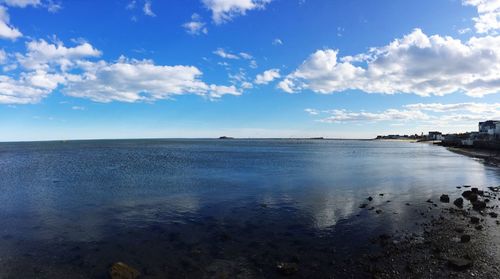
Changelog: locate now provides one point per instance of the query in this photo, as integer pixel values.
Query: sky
(73, 69)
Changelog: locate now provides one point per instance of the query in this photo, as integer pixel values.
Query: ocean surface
(210, 208)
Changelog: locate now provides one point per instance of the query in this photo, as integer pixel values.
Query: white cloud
(3, 56)
(135, 80)
(44, 55)
(312, 111)
(429, 115)
(131, 5)
(277, 42)
(226, 55)
(147, 9)
(196, 26)
(468, 107)
(49, 66)
(488, 19)
(245, 55)
(6, 30)
(217, 91)
(417, 63)
(28, 89)
(338, 116)
(53, 7)
(463, 31)
(77, 108)
(21, 3)
(225, 10)
(267, 76)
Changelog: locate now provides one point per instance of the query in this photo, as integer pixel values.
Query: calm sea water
(202, 208)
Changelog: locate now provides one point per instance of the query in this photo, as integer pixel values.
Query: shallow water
(205, 208)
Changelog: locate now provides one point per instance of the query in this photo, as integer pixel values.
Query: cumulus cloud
(225, 10)
(135, 80)
(488, 19)
(74, 70)
(196, 26)
(147, 9)
(430, 114)
(267, 76)
(6, 30)
(43, 55)
(417, 63)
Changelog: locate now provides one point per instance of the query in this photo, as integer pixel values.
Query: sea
(212, 208)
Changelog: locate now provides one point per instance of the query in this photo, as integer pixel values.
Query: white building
(490, 127)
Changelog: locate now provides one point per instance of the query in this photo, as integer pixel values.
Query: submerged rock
(459, 263)
(465, 238)
(370, 198)
(444, 198)
(120, 270)
(459, 202)
(363, 205)
(474, 220)
(287, 268)
(478, 205)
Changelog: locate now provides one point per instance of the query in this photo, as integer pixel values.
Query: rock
(378, 211)
(465, 238)
(459, 263)
(429, 201)
(363, 205)
(474, 190)
(287, 268)
(381, 195)
(459, 202)
(470, 195)
(494, 189)
(459, 230)
(120, 270)
(370, 198)
(474, 220)
(493, 215)
(444, 198)
(478, 227)
(478, 205)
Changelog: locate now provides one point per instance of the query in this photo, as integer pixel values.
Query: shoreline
(488, 156)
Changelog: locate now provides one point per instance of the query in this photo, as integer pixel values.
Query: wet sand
(489, 156)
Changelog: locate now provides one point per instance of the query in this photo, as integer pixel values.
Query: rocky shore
(459, 240)
(489, 156)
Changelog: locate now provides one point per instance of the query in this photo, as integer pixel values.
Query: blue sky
(246, 68)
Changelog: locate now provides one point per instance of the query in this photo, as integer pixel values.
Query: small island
(224, 137)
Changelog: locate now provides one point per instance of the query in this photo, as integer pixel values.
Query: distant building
(435, 136)
(490, 127)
